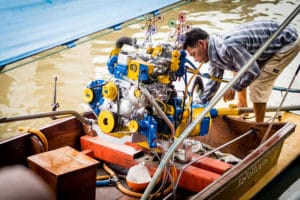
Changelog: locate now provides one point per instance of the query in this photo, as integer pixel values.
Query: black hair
(193, 36)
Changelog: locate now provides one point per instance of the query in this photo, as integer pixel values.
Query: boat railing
(212, 103)
(48, 114)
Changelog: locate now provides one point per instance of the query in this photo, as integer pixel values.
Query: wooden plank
(15, 150)
(64, 133)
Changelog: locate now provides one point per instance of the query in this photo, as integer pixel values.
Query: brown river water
(27, 86)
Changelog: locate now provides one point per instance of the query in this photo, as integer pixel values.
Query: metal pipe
(213, 102)
(270, 109)
(55, 104)
(238, 111)
(47, 114)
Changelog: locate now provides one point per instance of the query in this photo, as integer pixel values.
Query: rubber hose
(124, 40)
(38, 133)
(136, 194)
(103, 183)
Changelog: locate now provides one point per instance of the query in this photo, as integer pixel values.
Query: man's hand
(229, 95)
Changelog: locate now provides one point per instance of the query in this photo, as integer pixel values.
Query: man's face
(199, 51)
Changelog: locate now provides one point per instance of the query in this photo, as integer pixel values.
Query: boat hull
(256, 159)
(246, 174)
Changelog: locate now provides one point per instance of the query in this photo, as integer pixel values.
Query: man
(19, 182)
(232, 50)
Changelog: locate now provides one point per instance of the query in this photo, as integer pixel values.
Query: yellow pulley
(106, 121)
(133, 126)
(88, 95)
(110, 91)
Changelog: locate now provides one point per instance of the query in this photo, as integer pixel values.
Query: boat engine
(121, 104)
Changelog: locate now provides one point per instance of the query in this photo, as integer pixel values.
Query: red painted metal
(194, 178)
(211, 164)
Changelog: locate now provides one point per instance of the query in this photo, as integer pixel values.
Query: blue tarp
(28, 27)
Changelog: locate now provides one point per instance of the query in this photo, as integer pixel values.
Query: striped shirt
(232, 50)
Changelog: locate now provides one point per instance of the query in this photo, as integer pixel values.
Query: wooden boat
(73, 153)
(257, 159)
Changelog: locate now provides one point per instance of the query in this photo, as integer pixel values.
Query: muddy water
(27, 86)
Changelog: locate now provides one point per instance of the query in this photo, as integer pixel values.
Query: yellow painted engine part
(175, 60)
(110, 91)
(157, 51)
(165, 79)
(133, 126)
(149, 50)
(137, 93)
(88, 95)
(115, 51)
(134, 68)
(106, 121)
(185, 120)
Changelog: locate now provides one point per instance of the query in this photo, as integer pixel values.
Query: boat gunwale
(221, 184)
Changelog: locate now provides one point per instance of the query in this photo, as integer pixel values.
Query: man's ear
(201, 42)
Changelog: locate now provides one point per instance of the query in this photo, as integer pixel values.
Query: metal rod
(47, 114)
(213, 102)
(270, 109)
(55, 104)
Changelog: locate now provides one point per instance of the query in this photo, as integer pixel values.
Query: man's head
(196, 44)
